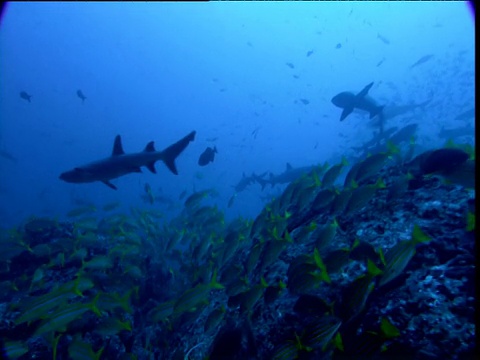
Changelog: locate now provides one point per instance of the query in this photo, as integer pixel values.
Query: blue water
(158, 71)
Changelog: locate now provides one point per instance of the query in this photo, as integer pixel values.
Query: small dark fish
(255, 132)
(384, 39)
(81, 96)
(212, 139)
(309, 53)
(380, 62)
(296, 76)
(6, 155)
(231, 200)
(305, 101)
(249, 44)
(422, 60)
(466, 115)
(290, 65)
(338, 46)
(207, 156)
(25, 96)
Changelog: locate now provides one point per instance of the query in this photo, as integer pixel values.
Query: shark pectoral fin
(151, 167)
(109, 184)
(346, 111)
(364, 91)
(171, 152)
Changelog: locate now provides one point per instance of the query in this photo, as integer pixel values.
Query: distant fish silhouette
(207, 156)
(422, 60)
(25, 96)
(81, 96)
(6, 155)
(349, 101)
(384, 39)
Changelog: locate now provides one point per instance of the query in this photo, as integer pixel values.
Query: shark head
(344, 99)
(77, 175)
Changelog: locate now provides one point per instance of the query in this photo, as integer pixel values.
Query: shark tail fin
(172, 152)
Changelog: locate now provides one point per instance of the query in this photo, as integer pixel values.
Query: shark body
(290, 174)
(349, 101)
(119, 163)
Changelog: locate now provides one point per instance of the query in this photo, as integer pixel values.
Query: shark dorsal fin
(150, 147)
(289, 167)
(117, 146)
(364, 91)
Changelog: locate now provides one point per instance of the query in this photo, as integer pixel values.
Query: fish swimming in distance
(6, 155)
(207, 156)
(119, 163)
(25, 96)
(81, 95)
(422, 60)
(349, 101)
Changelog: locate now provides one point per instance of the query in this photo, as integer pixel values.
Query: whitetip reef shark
(119, 163)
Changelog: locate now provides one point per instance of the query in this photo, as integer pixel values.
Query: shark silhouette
(349, 101)
(119, 163)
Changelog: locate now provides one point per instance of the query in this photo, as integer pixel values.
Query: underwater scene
(237, 180)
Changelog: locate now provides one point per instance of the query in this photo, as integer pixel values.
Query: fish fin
(346, 111)
(109, 184)
(364, 91)
(151, 167)
(150, 147)
(117, 146)
(215, 149)
(171, 152)
(289, 167)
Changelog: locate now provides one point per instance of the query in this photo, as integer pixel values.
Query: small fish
(397, 257)
(111, 206)
(6, 155)
(338, 46)
(25, 96)
(290, 65)
(196, 296)
(81, 350)
(15, 349)
(466, 115)
(182, 194)
(231, 200)
(81, 96)
(331, 174)
(384, 39)
(149, 193)
(305, 101)
(207, 156)
(60, 319)
(309, 53)
(421, 61)
(380, 62)
(110, 326)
